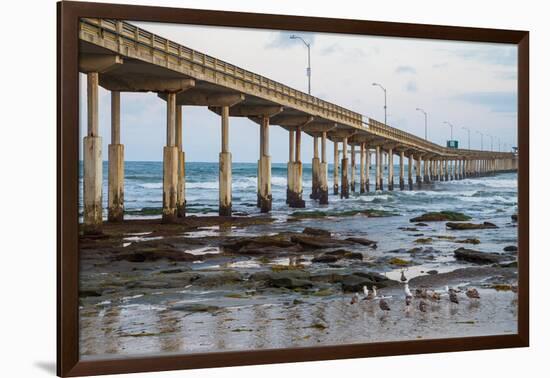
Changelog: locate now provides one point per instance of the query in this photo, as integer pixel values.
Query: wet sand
(213, 284)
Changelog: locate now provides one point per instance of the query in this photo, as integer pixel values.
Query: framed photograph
(238, 188)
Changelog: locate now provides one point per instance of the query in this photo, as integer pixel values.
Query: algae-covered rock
(478, 257)
(441, 216)
(470, 226)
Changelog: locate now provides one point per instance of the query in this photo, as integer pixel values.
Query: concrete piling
(378, 169)
(225, 194)
(419, 172)
(353, 169)
(367, 168)
(115, 211)
(390, 169)
(323, 171)
(315, 170)
(170, 163)
(93, 164)
(181, 202)
(344, 192)
(264, 169)
(335, 172)
(295, 175)
(410, 171)
(401, 170)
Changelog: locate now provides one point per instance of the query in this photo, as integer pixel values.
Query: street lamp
(425, 122)
(481, 139)
(385, 102)
(468, 130)
(490, 136)
(451, 125)
(308, 71)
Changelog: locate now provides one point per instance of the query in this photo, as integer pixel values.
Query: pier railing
(131, 41)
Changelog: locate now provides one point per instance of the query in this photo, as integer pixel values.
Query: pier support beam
(315, 170)
(426, 171)
(446, 170)
(390, 169)
(410, 169)
(225, 194)
(181, 163)
(323, 171)
(378, 183)
(440, 170)
(264, 168)
(93, 163)
(367, 168)
(335, 172)
(419, 172)
(344, 192)
(170, 163)
(353, 169)
(362, 160)
(402, 170)
(295, 175)
(116, 164)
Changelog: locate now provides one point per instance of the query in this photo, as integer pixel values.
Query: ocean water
(483, 198)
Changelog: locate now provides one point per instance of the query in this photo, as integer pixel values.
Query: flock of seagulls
(424, 296)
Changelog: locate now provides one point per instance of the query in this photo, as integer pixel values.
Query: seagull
(420, 293)
(384, 305)
(452, 296)
(403, 278)
(366, 292)
(408, 295)
(355, 298)
(434, 296)
(472, 293)
(371, 294)
(423, 306)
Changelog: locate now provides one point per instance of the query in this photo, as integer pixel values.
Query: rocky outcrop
(441, 216)
(470, 226)
(478, 257)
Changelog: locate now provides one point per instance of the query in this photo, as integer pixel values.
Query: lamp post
(308, 71)
(451, 126)
(490, 136)
(468, 130)
(385, 102)
(425, 122)
(481, 139)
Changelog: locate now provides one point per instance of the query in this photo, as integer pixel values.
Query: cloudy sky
(467, 84)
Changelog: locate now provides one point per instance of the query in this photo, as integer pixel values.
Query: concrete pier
(295, 175)
(362, 161)
(410, 169)
(344, 192)
(446, 170)
(93, 163)
(225, 166)
(315, 170)
(181, 202)
(264, 168)
(170, 163)
(353, 168)
(335, 172)
(419, 172)
(367, 168)
(115, 211)
(323, 171)
(426, 171)
(378, 183)
(390, 169)
(401, 170)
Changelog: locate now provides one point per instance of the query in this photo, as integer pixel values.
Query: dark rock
(470, 226)
(291, 283)
(194, 307)
(511, 264)
(317, 242)
(356, 281)
(469, 241)
(343, 254)
(325, 258)
(420, 224)
(514, 217)
(510, 248)
(441, 216)
(432, 272)
(316, 231)
(478, 257)
(218, 278)
(361, 241)
(408, 229)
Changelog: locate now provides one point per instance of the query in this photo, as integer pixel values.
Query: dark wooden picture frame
(69, 13)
